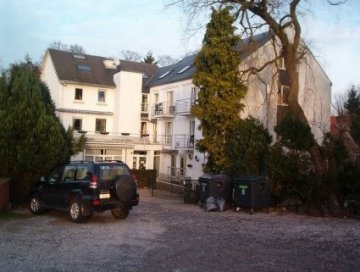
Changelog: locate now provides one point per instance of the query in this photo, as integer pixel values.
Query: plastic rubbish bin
(252, 192)
(215, 191)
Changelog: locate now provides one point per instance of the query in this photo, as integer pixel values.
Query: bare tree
(338, 104)
(282, 19)
(73, 48)
(130, 55)
(165, 60)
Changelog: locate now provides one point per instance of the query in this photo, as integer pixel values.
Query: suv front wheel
(35, 205)
(76, 209)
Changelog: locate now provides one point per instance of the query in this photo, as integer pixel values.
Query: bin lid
(249, 178)
(212, 176)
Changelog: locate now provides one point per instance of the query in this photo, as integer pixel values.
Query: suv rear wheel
(76, 209)
(119, 213)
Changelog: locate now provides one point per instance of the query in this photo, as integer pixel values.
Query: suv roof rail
(119, 161)
(81, 161)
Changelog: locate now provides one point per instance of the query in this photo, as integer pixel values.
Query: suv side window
(55, 175)
(83, 172)
(69, 173)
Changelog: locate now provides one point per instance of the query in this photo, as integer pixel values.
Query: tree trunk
(298, 113)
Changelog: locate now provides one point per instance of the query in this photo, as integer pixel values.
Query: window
(100, 125)
(165, 74)
(77, 124)
(144, 103)
(78, 56)
(283, 95)
(143, 129)
(282, 64)
(83, 172)
(168, 133)
(193, 95)
(83, 68)
(101, 96)
(78, 94)
(69, 173)
(184, 69)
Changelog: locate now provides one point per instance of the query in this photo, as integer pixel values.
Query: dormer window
(165, 74)
(78, 56)
(83, 68)
(184, 69)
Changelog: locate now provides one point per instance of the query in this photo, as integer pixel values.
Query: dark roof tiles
(66, 66)
(245, 47)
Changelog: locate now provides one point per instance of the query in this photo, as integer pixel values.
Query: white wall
(127, 106)
(50, 78)
(315, 96)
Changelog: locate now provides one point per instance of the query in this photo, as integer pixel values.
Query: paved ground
(163, 234)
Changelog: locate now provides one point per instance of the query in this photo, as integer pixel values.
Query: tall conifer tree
(221, 91)
(32, 138)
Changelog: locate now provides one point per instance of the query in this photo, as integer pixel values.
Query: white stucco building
(107, 100)
(172, 94)
(141, 114)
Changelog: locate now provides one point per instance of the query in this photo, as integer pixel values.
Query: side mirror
(42, 179)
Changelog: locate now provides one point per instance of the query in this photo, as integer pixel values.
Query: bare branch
(336, 3)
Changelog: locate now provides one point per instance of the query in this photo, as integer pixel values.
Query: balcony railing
(184, 141)
(163, 139)
(118, 138)
(163, 109)
(183, 106)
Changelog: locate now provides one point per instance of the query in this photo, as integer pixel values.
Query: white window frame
(281, 95)
(96, 128)
(80, 124)
(104, 92)
(81, 95)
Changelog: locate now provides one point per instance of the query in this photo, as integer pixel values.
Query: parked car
(84, 187)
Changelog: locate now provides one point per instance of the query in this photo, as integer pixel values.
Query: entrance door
(157, 162)
(139, 160)
(182, 166)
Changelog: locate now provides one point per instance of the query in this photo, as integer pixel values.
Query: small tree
(149, 58)
(220, 92)
(165, 60)
(32, 138)
(130, 55)
(248, 148)
(352, 106)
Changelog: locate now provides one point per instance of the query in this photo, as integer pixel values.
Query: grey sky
(106, 27)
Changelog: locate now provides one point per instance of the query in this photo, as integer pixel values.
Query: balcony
(163, 109)
(166, 140)
(111, 138)
(184, 141)
(183, 106)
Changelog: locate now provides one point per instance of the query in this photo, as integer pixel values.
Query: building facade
(106, 100)
(172, 91)
(141, 114)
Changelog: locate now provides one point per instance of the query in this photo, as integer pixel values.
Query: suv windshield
(109, 172)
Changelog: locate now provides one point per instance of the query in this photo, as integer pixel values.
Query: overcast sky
(107, 27)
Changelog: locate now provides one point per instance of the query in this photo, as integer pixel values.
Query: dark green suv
(84, 187)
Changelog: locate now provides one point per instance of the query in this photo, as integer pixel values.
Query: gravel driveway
(163, 234)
